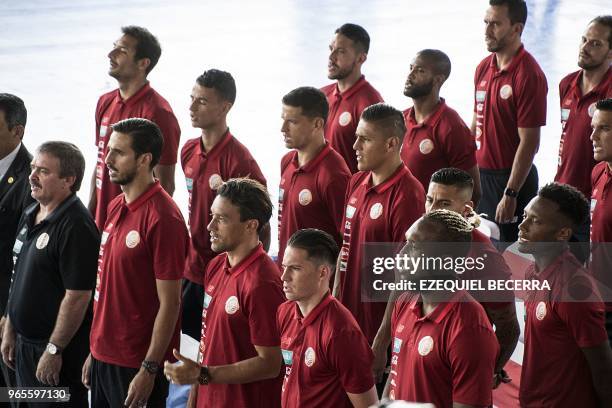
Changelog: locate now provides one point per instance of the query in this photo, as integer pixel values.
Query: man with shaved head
(436, 137)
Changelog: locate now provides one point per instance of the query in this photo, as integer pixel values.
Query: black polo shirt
(59, 253)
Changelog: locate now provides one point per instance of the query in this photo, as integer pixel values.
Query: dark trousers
(8, 380)
(110, 383)
(193, 303)
(27, 355)
(493, 184)
(609, 326)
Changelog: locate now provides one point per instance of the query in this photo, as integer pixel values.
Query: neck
(307, 305)
(592, 77)
(128, 88)
(212, 135)
(432, 299)
(310, 151)
(386, 170)
(544, 259)
(242, 250)
(425, 106)
(44, 210)
(504, 57)
(138, 186)
(8, 150)
(350, 80)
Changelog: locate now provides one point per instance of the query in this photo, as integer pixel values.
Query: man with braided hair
(436, 331)
(451, 189)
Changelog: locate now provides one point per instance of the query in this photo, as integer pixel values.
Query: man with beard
(132, 58)
(351, 94)
(567, 360)
(436, 137)
(443, 349)
(509, 109)
(138, 292)
(579, 92)
(240, 358)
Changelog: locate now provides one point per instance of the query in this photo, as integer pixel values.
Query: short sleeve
(261, 308)
(351, 357)
(406, 210)
(171, 132)
(472, 356)
(584, 320)
(531, 100)
(335, 193)
(78, 254)
(459, 146)
(168, 242)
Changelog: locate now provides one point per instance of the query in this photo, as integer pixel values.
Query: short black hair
(386, 116)
(145, 135)
(517, 9)
(15, 112)
(439, 61)
(451, 176)
(357, 34)
(604, 105)
(319, 245)
(605, 21)
(221, 81)
(147, 45)
(251, 198)
(572, 203)
(72, 162)
(312, 101)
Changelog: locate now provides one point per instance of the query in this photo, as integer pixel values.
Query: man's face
(9, 138)
(594, 47)
(443, 197)
(343, 58)
(226, 230)
(121, 159)
(297, 128)
(45, 181)
(123, 63)
(207, 108)
(420, 80)
(540, 225)
(498, 28)
(371, 146)
(602, 135)
(301, 277)
(421, 238)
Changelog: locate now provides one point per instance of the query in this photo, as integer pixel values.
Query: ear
(394, 143)
(18, 131)
(439, 80)
(362, 58)
(518, 28)
(319, 124)
(252, 225)
(468, 208)
(143, 64)
(226, 107)
(70, 180)
(564, 234)
(324, 272)
(144, 160)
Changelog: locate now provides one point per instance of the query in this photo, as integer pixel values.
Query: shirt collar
(565, 256)
(32, 210)
(361, 82)
(385, 185)
(218, 148)
(5, 163)
(431, 120)
(314, 313)
(440, 312)
(245, 263)
(515, 61)
(134, 98)
(312, 164)
(144, 197)
(601, 88)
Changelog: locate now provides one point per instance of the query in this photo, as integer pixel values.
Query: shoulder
(529, 67)
(328, 89)
(356, 179)
(189, 146)
(567, 80)
(369, 92)
(484, 64)
(598, 171)
(286, 159)
(78, 218)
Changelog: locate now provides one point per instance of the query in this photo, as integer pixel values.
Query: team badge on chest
(42, 241)
(344, 119)
(231, 305)
(591, 109)
(376, 211)
(540, 311)
(426, 146)
(132, 239)
(305, 197)
(215, 181)
(505, 92)
(425, 345)
(309, 357)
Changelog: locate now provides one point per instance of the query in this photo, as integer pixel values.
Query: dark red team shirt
(147, 104)
(555, 372)
(447, 356)
(601, 228)
(311, 196)
(344, 113)
(135, 252)
(240, 305)
(575, 148)
(380, 214)
(442, 140)
(204, 173)
(503, 102)
(326, 355)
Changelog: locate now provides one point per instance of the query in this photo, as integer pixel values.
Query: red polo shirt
(326, 355)
(575, 148)
(239, 313)
(311, 196)
(504, 101)
(147, 104)
(447, 356)
(555, 372)
(442, 140)
(204, 173)
(344, 112)
(374, 214)
(601, 227)
(135, 252)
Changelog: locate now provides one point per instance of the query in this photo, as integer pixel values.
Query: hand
(380, 363)
(505, 210)
(187, 372)
(2, 321)
(140, 389)
(8, 345)
(48, 369)
(86, 372)
(501, 377)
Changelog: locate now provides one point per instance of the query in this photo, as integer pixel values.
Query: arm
(69, 319)
(523, 160)
(382, 340)
(169, 294)
(473, 124)
(365, 399)
(477, 193)
(8, 344)
(165, 174)
(599, 359)
(93, 197)
(507, 331)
